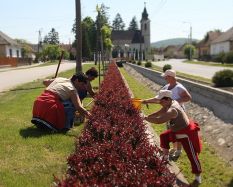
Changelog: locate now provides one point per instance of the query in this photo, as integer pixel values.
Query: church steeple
(144, 13)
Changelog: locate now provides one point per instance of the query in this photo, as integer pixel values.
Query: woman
(181, 129)
(50, 109)
(91, 74)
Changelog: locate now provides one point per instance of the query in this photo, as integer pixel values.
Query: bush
(133, 62)
(223, 78)
(219, 58)
(139, 63)
(113, 149)
(166, 67)
(148, 64)
(119, 64)
(229, 58)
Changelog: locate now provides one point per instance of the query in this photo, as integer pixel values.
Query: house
(223, 43)
(133, 44)
(9, 47)
(204, 45)
(171, 51)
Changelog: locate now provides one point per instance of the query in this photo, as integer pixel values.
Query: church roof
(133, 36)
(144, 14)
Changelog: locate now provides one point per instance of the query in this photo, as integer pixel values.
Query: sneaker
(175, 156)
(195, 183)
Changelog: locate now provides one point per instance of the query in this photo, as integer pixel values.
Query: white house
(9, 47)
(223, 43)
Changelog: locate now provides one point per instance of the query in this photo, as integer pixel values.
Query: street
(16, 76)
(192, 69)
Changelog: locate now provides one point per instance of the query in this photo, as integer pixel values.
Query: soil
(217, 133)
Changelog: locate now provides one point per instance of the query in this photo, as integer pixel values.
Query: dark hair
(166, 98)
(80, 76)
(92, 72)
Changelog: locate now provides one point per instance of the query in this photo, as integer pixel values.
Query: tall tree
(52, 37)
(133, 25)
(88, 37)
(118, 23)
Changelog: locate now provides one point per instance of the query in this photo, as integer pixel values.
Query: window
(10, 51)
(17, 52)
(145, 27)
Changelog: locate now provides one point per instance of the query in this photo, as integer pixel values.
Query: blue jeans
(69, 113)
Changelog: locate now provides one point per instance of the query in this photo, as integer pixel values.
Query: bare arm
(151, 100)
(77, 104)
(90, 90)
(164, 117)
(47, 82)
(184, 97)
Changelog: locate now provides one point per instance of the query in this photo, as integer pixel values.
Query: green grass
(28, 156)
(208, 63)
(216, 173)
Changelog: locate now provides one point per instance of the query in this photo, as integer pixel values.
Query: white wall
(14, 51)
(219, 47)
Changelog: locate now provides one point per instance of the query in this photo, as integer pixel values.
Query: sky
(169, 18)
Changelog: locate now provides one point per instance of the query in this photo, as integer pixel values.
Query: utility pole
(78, 37)
(190, 50)
(39, 40)
(190, 39)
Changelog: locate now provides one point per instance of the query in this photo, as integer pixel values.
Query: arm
(164, 117)
(77, 103)
(184, 97)
(157, 114)
(151, 100)
(89, 89)
(47, 82)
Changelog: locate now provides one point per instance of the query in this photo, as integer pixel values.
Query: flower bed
(113, 149)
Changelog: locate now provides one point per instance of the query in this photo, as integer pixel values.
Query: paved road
(193, 69)
(9, 78)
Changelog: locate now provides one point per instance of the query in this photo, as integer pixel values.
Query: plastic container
(137, 103)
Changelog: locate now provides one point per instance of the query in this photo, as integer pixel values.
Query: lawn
(30, 157)
(216, 173)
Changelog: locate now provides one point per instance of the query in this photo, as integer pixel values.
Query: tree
(133, 25)
(51, 52)
(189, 51)
(88, 37)
(26, 48)
(52, 37)
(118, 23)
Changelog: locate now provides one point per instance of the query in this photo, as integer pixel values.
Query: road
(12, 77)
(192, 69)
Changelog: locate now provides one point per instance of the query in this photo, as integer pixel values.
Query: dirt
(217, 133)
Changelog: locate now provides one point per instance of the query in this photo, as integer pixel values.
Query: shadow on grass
(22, 89)
(34, 132)
(231, 183)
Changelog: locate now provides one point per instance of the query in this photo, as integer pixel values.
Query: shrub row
(113, 149)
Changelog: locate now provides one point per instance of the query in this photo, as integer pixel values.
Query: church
(133, 44)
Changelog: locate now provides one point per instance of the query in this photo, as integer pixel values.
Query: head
(79, 79)
(92, 73)
(169, 75)
(165, 97)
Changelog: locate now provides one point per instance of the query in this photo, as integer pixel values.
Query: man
(181, 95)
(181, 129)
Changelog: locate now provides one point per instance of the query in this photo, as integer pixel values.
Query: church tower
(145, 31)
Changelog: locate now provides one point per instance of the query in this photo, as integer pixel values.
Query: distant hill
(172, 41)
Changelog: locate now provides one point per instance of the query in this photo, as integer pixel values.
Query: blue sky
(23, 19)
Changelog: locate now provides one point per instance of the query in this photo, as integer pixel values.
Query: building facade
(133, 44)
